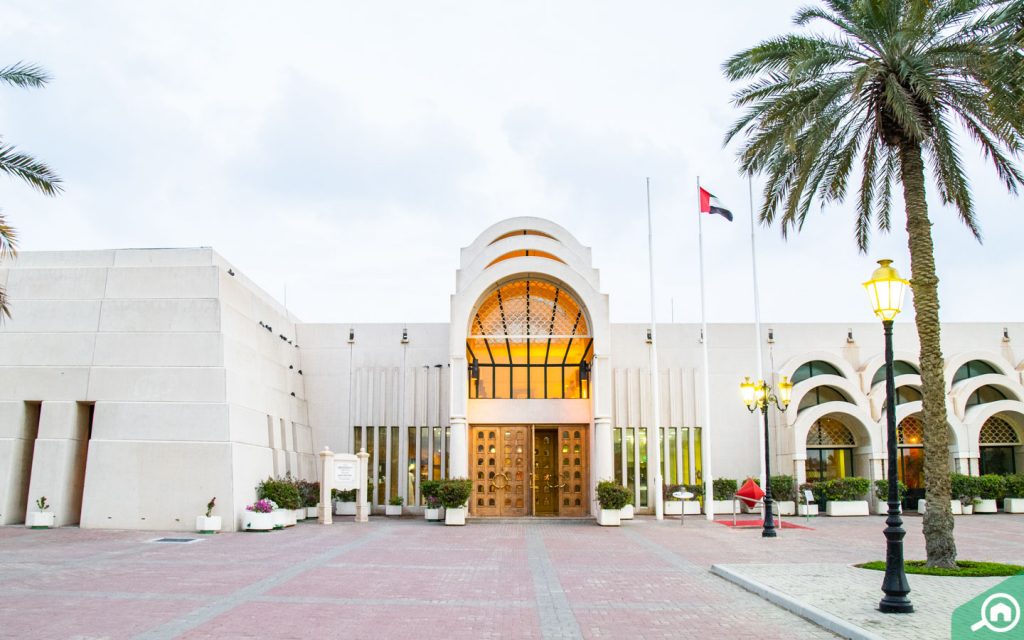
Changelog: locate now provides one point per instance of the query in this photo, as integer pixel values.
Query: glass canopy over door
(529, 338)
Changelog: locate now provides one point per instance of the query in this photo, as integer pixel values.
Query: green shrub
(395, 501)
(783, 488)
(309, 492)
(991, 487)
(429, 489)
(696, 489)
(454, 493)
(882, 490)
(282, 491)
(343, 495)
(1014, 485)
(724, 488)
(964, 488)
(612, 495)
(844, 489)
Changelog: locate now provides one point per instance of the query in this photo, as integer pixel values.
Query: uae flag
(710, 204)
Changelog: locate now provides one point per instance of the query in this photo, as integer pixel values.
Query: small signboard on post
(346, 471)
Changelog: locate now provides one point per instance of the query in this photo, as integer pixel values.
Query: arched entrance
(529, 340)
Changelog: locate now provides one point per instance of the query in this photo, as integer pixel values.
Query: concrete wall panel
(43, 383)
(159, 349)
(188, 257)
(160, 315)
(47, 316)
(157, 384)
(47, 349)
(86, 283)
(174, 421)
(163, 282)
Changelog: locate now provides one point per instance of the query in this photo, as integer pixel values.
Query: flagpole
(705, 441)
(757, 318)
(653, 443)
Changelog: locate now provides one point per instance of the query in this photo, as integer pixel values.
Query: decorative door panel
(573, 472)
(545, 472)
(499, 459)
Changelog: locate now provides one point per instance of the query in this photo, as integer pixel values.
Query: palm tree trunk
(938, 519)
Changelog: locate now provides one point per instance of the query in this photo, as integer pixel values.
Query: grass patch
(965, 568)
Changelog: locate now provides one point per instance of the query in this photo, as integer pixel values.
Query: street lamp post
(759, 395)
(886, 290)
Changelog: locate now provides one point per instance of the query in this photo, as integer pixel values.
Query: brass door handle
(502, 486)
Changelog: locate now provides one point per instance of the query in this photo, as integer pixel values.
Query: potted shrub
(723, 489)
(454, 494)
(673, 505)
(990, 489)
(882, 496)
(802, 507)
(963, 491)
(285, 495)
(208, 523)
(1014, 501)
(433, 512)
(394, 506)
(612, 497)
(259, 516)
(311, 497)
(784, 495)
(846, 496)
(41, 518)
(344, 502)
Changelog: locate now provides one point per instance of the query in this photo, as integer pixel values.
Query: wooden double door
(529, 470)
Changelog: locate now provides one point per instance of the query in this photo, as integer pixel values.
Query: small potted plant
(882, 496)
(723, 489)
(344, 502)
(454, 495)
(208, 523)
(259, 516)
(433, 511)
(611, 498)
(1014, 501)
(991, 488)
(42, 518)
(394, 506)
(285, 495)
(310, 492)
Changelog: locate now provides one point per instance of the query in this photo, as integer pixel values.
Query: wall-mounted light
(405, 336)
(771, 336)
(291, 367)
(1006, 334)
(351, 335)
(700, 336)
(849, 336)
(293, 394)
(584, 372)
(300, 372)
(231, 272)
(649, 338)
(474, 370)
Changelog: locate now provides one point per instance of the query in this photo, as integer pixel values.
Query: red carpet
(757, 524)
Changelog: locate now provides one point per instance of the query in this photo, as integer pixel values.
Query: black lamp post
(760, 396)
(886, 290)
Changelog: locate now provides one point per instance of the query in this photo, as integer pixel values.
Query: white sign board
(346, 471)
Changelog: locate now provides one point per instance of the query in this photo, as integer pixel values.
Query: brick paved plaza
(408, 578)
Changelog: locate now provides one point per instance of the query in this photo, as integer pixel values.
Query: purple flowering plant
(262, 506)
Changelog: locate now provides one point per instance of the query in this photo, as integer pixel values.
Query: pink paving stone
(43, 616)
(285, 620)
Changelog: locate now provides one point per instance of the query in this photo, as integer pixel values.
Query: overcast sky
(348, 150)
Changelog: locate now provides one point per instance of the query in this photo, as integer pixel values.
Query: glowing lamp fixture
(886, 290)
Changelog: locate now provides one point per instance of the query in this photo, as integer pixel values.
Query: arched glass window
(523, 253)
(906, 394)
(819, 395)
(529, 339)
(910, 439)
(998, 443)
(899, 368)
(972, 369)
(814, 368)
(830, 447)
(985, 394)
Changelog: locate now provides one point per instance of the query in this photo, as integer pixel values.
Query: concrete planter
(985, 506)
(1013, 505)
(455, 517)
(627, 512)
(807, 509)
(968, 509)
(881, 508)
(208, 525)
(393, 510)
(344, 508)
(723, 507)
(40, 520)
(609, 517)
(691, 507)
(785, 507)
(253, 521)
(845, 508)
(283, 518)
(955, 506)
(433, 515)
(673, 507)
(300, 514)
(311, 512)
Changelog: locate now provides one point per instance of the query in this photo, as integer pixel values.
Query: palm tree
(889, 83)
(22, 165)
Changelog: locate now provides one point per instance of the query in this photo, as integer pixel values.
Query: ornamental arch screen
(910, 439)
(998, 444)
(529, 338)
(830, 448)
